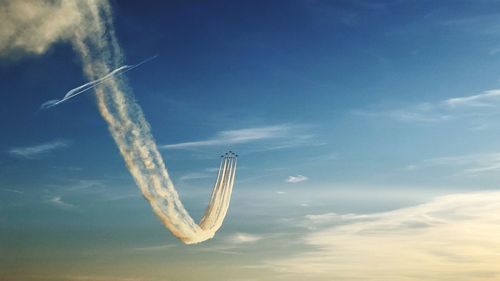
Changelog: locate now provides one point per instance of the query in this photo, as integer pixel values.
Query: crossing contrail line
(92, 84)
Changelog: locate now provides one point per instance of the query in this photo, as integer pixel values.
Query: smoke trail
(100, 54)
(88, 25)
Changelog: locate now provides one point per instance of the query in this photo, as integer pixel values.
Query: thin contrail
(92, 84)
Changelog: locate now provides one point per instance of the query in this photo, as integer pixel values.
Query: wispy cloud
(485, 25)
(12, 190)
(31, 152)
(232, 244)
(473, 106)
(239, 136)
(244, 238)
(453, 237)
(154, 248)
(296, 179)
(198, 175)
(58, 202)
(469, 164)
(86, 184)
(118, 197)
(425, 113)
(84, 278)
(487, 98)
(195, 176)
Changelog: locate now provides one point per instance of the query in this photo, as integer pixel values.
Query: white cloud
(473, 106)
(453, 237)
(58, 202)
(244, 238)
(196, 176)
(88, 185)
(12, 190)
(424, 113)
(208, 173)
(154, 248)
(296, 179)
(487, 98)
(35, 151)
(238, 136)
(332, 218)
(232, 243)
(118, 197)
(469, 164)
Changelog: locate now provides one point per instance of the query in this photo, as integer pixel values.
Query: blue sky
(345, 108)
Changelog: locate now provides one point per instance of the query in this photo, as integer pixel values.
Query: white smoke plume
(32, 26)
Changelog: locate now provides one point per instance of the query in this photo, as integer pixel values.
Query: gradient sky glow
(367, 133)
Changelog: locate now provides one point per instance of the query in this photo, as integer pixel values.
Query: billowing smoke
(32, 26)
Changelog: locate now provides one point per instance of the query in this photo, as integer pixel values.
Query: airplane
(229, 154)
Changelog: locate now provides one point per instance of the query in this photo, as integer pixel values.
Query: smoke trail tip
(49, 104)
(145, 61)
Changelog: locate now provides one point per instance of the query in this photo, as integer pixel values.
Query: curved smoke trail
(100, 54)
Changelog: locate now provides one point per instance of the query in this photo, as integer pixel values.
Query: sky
(366, 132)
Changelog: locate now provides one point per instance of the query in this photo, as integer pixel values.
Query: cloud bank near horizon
(453, 237)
